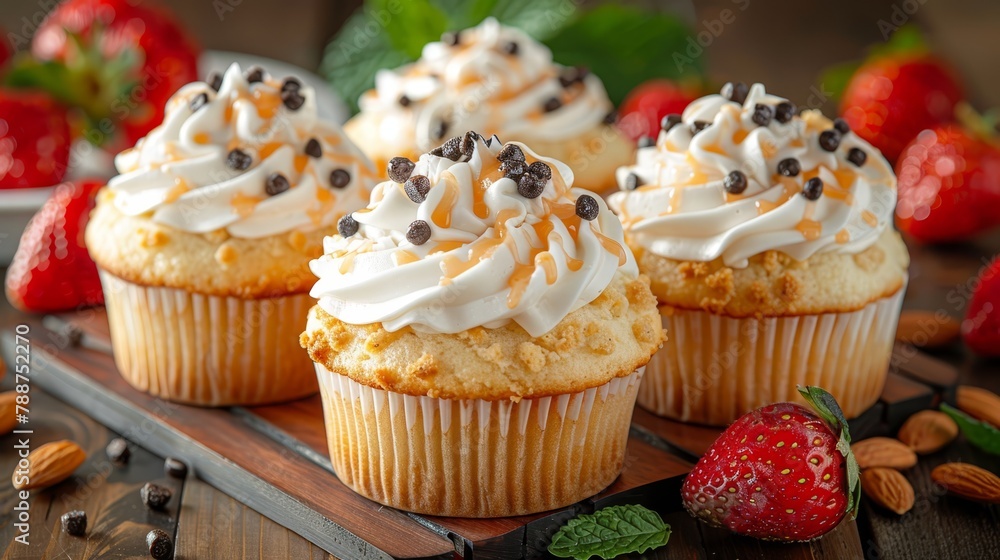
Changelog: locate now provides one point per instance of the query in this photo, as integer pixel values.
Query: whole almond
(979, 403)
(50, 464)
(928, 431)
(889, 489)
(968, 481)
(883, 452)
(8, 408)
(927, 329)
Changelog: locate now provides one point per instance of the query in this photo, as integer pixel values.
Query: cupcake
(498, 80)
(480, 335)
(768, 241)
(203, 241)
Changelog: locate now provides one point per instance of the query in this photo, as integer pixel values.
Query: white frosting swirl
(479, 85)
(179, 172)
(493, 255)
(682, 211)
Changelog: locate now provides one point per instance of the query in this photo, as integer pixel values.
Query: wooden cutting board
(274, 459)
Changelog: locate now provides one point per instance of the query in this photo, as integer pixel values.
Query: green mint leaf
(980, 434)
(356, 54)
(408, 25)
(539, 18)
(610, 532)
(626, 46)
(463, 14)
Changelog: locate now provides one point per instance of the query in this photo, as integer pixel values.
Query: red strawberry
(981, 327)
(890, 100)
(781, 472)
(34, 140)
(648, 103)
(52, 270)
(949, 185)
(118, 60)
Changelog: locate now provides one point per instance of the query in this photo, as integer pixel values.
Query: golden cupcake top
(475, 233)
(743, 172)
(245, 153)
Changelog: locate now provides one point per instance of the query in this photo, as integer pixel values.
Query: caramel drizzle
(809, 228)
(243, 204)
(441, 216)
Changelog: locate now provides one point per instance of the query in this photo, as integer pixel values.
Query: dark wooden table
(209, 524)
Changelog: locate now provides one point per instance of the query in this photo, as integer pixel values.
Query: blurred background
(783, 43)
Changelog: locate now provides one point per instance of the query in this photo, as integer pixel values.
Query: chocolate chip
(419, 232)
(276, 184)
(440, 130)
(646, 141)
(155, 496)
(813, 188)
(509, 152)
(214, 80)
(698, 126)
(540, 170)
(199, 101)
(632, 182)
(572, 75)
(735, 182)
(510, 47)
(762, 114)
(669, 121)
(290, 83)
(468, 146)
(347, 225)
(551, 104)
(452, 149)
(784, 111)
(841, 126)
(735, 92)
(451, 38)
(513, 169)
(238, 160)
(292, 99)
(74, 523)
(339, 178)
(118, 451)
(254, 74)
(587, 208)
(857, 156)
(313, 149)
(159, 544)
(404, 101)
(400, 169)
(530, 186)
(610, 118)
(789, 167)
(417, 187)
(829, 140)
(174, 468)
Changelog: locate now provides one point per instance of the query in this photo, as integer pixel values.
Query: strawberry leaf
(829, 410)
(610, 532)
(980, 434)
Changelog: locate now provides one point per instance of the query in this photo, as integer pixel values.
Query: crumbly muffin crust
(776, 285)
(141, 251)
(610, 337)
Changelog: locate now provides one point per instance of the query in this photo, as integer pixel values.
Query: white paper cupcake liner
(208, 350)
(476, 458)
(713, 369)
